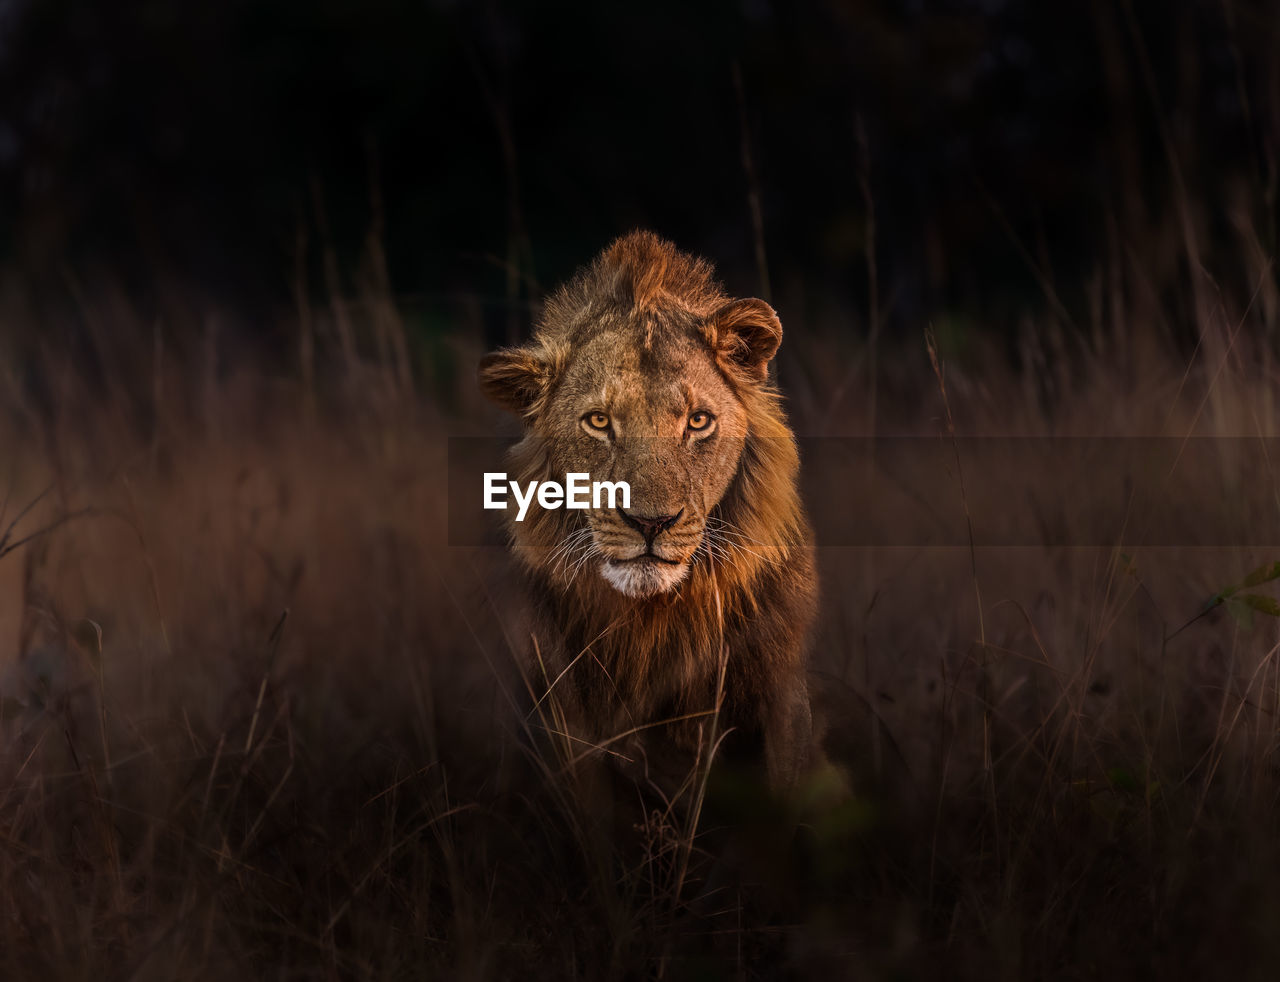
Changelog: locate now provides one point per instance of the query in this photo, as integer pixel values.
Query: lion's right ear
(516, 378)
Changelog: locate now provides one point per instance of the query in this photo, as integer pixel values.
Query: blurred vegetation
(991, 160)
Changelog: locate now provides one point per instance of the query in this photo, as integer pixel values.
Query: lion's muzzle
(655, 564)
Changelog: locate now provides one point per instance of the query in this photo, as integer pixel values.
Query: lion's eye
(597, 421)
(700, 420)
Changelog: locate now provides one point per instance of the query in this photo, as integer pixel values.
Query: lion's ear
(516, 378)
(745, 335)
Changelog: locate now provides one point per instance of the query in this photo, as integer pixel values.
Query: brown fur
(646, 336)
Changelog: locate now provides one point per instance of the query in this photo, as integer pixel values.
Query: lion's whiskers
(726, 544)
(727, 528)
(588, 551)
(718, 553)
(560, 558)
(723, 544)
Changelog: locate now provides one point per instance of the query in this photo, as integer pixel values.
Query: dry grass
(295, 747)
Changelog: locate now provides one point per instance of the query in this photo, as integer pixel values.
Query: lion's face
(641, 372)
(661, 418)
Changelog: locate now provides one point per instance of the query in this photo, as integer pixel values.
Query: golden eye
(597, 421)
(700, 420)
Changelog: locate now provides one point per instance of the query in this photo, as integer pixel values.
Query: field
(260, 716)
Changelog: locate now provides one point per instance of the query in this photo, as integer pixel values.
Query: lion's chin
(643, 577)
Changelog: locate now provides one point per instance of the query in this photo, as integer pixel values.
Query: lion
(696, 600)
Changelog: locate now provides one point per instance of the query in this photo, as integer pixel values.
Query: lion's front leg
(788, 737)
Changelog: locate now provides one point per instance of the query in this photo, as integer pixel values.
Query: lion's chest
(644, 671)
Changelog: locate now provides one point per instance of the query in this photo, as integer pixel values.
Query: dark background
(990, 159)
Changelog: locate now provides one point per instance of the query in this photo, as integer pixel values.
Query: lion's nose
(650, 526)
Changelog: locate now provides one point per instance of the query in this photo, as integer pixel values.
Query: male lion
(642, 370)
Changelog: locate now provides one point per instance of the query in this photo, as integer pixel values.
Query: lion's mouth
(642, 558)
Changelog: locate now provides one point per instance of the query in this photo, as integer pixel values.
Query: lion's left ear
(516, 379)
(745, 335)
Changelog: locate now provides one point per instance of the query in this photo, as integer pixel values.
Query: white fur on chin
(643, 579)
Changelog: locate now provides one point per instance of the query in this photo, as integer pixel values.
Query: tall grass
(261, 720)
